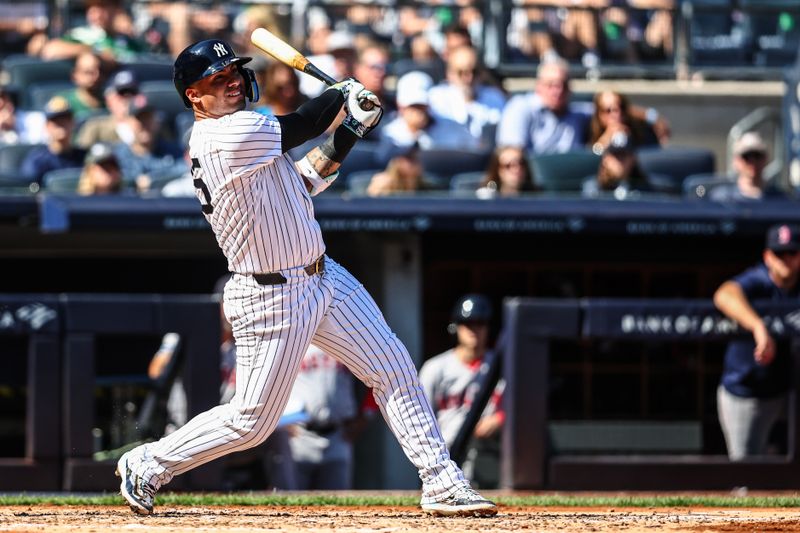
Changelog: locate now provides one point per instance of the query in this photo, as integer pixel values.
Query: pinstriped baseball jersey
(252, 195)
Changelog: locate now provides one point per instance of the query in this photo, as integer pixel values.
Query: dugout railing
(75, 348)
(532, 327)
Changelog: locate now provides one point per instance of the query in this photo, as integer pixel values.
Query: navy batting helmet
(470, 308)
(205, 58)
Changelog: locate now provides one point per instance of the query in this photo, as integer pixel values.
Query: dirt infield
(359, 519)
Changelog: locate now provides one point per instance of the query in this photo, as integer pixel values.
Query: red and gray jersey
(252, 195)
(451, 387)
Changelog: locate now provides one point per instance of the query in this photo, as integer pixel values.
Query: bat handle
(311, 69)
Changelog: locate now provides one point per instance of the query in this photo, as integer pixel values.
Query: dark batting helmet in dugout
(470, 308)
(204, 58)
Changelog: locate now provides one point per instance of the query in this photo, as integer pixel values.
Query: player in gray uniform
(321, 448)
(451, 381)
(284, 292)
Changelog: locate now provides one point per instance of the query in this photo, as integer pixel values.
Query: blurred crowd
(92, 110)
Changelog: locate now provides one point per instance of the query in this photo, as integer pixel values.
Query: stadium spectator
(619, 174)
(100, 34)
(86, 98)
(455, 37)
(16, 126)
(756, 373)
(546, 122)
(248, 20)
(146, 152)
(59, 152)
(463, 98)
(370, 69)
(280, 90)
(508, 174)
(322, 445)
(403, 174)
(416, 125)
(112, 128)
(338, 60)
(750, 157)
(612, 115)
(101, 173)
(451, 382)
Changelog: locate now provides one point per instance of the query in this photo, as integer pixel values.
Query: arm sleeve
(310, 120)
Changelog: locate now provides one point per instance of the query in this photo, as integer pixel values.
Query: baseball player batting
(284, 292)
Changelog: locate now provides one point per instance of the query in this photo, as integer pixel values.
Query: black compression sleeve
(310, 120)
(338, 145)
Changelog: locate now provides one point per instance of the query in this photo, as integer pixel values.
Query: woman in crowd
(281, 90)
(619, 173)
(508, 173)
(612, 115)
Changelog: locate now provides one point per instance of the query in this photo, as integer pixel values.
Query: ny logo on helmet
(220, 49)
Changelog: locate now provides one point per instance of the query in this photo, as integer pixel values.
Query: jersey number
(200, 184)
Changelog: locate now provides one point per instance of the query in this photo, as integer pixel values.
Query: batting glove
(347, 86)
(362, 121)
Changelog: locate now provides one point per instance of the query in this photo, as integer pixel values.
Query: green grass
(544, 500)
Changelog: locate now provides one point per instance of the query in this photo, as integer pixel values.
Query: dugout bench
(532, 326)
(62, 335)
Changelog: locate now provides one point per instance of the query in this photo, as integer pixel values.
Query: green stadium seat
(563, 172)
(63, 180)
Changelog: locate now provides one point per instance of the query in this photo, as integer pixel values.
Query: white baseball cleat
(463, 502)
(138, 493)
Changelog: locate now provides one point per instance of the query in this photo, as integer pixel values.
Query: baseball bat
(288, 55)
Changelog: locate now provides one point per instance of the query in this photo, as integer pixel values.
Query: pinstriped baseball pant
(273, 326)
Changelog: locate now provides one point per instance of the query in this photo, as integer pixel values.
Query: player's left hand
(361, 121)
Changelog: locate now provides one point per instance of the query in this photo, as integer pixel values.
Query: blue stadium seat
(361, 157)
(64, 180)
(39, 94)
(163, 97)
(26, 71)
(716, 35)
(697, 186)
(151, 70)
(11, 157)
(775, 29)
(446, 163)
(563, 172)
(467, 182)
(357, 182)
(675, 164)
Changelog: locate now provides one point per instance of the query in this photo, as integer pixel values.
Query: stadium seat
(716, 36)
(563, 172)
(151, 70)
(40, 93)
(675, 163)
(357, 182)
(697, 186)
(449, 162)
(361, 157)
(64, 180)
(24, 70)
(11, 157)
(467, 182)
(775, 29)
(164, 98)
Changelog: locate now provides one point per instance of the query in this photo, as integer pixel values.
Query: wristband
(318, 183)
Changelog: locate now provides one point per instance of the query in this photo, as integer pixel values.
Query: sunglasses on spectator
(787, 254)
(465, 71)
(753, 156)
(512, 163)
(377, 66)
(127, 92)
(609, 110)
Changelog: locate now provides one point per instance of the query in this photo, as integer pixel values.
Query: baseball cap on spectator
(123, 82)
(783, 238)
(100, 153)
(412, 89)
(749, 142)
(56, 107)
(340, 40)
